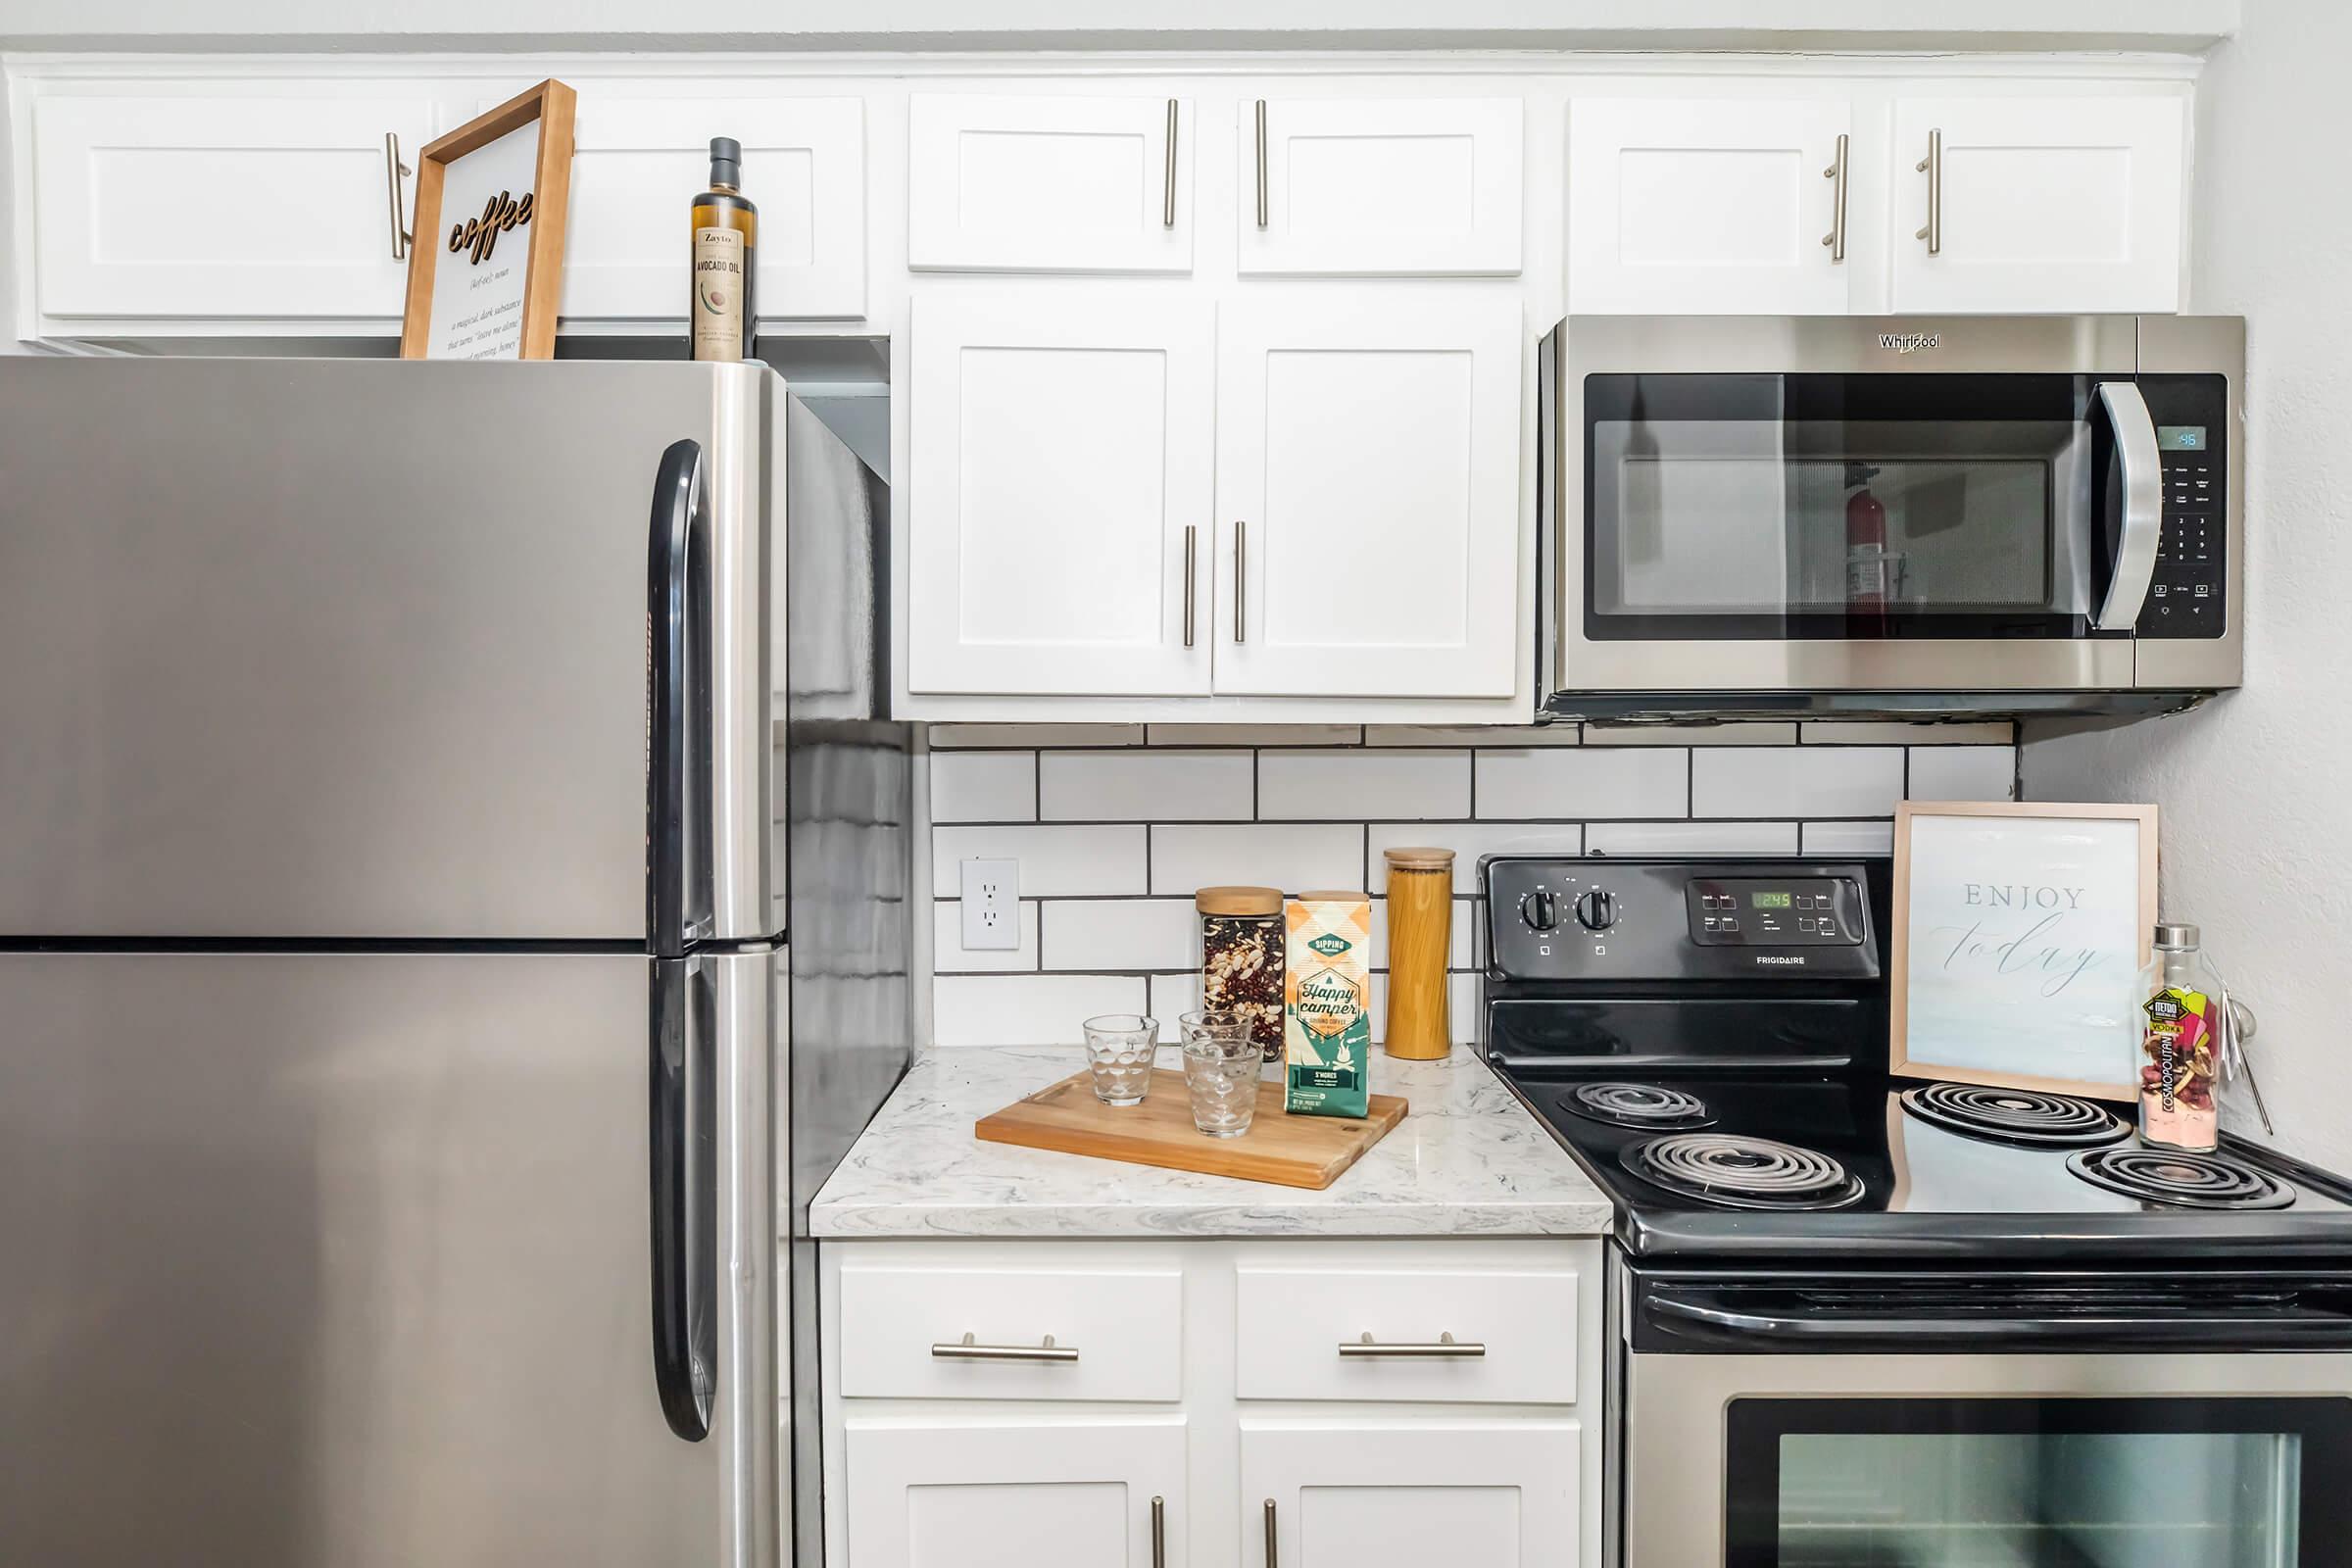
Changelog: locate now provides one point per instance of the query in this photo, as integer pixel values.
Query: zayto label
(1327, 1025)
(718, 289)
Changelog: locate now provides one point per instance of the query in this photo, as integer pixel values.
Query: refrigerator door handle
(684, 1192)
(678, 708)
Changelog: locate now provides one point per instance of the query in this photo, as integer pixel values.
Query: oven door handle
(2119, 1331)
(2143, 467)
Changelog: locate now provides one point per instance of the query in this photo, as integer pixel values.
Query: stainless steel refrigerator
(426, 792)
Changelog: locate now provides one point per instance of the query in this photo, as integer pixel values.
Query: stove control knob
(1540, 910)
(1596, 911)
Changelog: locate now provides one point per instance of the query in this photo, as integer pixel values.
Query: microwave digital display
(2179, 438)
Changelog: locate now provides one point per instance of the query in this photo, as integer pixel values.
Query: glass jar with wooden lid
(1420, 933)
(1242, 959)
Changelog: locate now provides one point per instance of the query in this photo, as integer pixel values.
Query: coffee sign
(2019, 932)
(483, 282)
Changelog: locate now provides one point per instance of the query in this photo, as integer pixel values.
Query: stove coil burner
(1739, 1172)
(2024, 1117)
(1638, 1106)
(2181, 1179)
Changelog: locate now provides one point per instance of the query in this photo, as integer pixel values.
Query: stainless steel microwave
(1783, 516)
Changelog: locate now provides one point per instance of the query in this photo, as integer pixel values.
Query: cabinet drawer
(1118, 1334)
(1292, 1323)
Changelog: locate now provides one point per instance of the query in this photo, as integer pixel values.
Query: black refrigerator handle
(684, 1192)
(677, 752)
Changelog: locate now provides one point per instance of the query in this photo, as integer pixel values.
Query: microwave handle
(2143, 505)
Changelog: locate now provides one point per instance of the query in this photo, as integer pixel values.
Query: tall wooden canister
(1420, 931)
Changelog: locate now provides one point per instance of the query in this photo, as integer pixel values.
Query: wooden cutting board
(1279, 1148)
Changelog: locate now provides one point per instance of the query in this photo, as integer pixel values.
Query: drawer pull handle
(1159, 1533)
(1273, 1542)
(1445, 1349)
(965, 1351)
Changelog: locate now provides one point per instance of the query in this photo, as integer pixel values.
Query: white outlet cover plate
(991, 905)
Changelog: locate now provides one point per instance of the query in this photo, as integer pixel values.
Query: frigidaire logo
(1797, 958)
(1909, 342)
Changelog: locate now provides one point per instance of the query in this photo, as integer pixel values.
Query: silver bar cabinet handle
(2143, 467)
(394, 189)
(1191, 543)
(1159, 1533)
(965, 1351)
(1931, 166)
(1272, 1549)
(1261, 163)
(1240, 580)
(1167, 177)
(1835, 239)
(1445, 1349)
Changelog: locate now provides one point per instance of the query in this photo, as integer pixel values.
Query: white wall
(2257, 787)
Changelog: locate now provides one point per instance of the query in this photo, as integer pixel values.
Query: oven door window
(2028, 1482)
(1843, 507)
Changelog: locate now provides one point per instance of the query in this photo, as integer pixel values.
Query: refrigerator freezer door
(345, 1260)
(358, 649)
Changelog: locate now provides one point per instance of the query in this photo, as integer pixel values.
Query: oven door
(1804, 504)
(2107, 1421)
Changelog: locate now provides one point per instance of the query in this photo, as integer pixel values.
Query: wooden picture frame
(543, 210)
(1981, 995)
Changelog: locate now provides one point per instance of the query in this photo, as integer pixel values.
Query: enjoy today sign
(2020, 930)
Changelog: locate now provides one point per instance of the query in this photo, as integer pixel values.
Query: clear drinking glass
(1220, 1071)
(1119, 1051)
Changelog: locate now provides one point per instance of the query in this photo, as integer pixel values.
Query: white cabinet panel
(928, 1492)
(1387, 186)
(1368, 493)
(1061, 450)
(1498, 1494)
(1125, 1327)
(639, 160)
(1049, 184)
(1679, 207)
(2047, 204)
(248, 199)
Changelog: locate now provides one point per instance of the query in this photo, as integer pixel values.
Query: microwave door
(2135, 484)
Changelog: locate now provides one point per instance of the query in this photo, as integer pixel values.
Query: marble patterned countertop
(1466, 1160)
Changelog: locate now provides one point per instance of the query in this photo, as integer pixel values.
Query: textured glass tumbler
(1118, 1052)
(1221, 1062)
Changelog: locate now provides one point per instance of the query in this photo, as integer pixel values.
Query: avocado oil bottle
(726, 242)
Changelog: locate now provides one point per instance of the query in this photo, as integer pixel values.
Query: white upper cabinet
(1368, 492)
(638, 159)
(1380, 186)
(1728, 206)
(1049, 184)
(232, 200)
(2037, 204)
(1059, 488)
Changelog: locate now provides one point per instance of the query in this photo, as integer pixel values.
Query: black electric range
(1709, 1038)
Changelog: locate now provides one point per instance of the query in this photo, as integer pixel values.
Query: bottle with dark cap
(723, 311)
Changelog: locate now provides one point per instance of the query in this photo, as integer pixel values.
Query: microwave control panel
(2188, 596)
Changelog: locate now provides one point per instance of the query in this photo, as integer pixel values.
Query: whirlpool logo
(1910, 342)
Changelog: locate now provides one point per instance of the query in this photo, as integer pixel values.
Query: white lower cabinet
(1484, 1494)
(1017, 1493)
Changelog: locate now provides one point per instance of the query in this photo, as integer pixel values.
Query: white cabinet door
(1060, 479)
(2047, 204)
(250, 199)
(640, 159)
(1368, 493)
(936, 1493)
(1387, 186)
(1405, 1494)
(1725, 206)
(1049, 184)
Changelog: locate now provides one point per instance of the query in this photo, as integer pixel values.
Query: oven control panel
(1597, 918)
(2188, 595)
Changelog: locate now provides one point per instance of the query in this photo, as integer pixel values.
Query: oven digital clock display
(1771, 901)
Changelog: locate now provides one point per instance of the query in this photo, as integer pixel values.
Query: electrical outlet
(992, 904)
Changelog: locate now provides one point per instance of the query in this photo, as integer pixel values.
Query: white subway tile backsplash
(949, 956)
(1472, 735)
(1294, 858)
(1690, 838)
(1963, 773)
(1849, 838)
(1028, 1010)
(1126, 934)
(1361, 782)
(1587, 782)
(1899, 732)
(1056, 862)
(1797, 781)
(1764, 733)
(1470, 840)
(1144, 785)
(983, 786)
(1172, 997)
